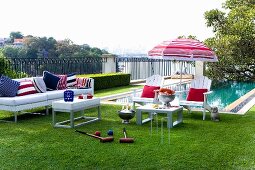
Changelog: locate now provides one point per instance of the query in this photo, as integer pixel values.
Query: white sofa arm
(92, 86)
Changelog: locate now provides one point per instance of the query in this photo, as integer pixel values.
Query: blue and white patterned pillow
(8, 87)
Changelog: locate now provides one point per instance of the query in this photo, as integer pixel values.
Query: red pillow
(148, 91)
(196, 95)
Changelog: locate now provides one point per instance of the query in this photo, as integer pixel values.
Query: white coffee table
(168, 111)
(72, 107)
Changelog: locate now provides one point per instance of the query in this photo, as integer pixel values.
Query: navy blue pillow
(51, 80)
(8, 87)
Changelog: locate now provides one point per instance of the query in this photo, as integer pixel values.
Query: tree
(234, 41)
(66, 48)
(14, 52)
(40, 47)
(188, 37)
(14, 35)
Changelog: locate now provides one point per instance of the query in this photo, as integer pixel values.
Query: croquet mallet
(126, 139)
(102, 139)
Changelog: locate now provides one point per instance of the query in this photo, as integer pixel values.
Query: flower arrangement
(166, 91)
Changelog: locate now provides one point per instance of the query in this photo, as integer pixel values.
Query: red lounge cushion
(148, 91)
(196, 95)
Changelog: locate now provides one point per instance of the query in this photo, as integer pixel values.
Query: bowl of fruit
(166, 96)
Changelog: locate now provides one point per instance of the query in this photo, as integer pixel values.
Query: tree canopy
(234, 41)
(14, 35)
(38, 47)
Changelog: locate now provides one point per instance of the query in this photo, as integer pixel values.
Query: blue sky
(115, 25)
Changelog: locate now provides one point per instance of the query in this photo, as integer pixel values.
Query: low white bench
(72, 107)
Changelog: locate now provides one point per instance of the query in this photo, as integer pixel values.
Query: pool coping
(243, 104)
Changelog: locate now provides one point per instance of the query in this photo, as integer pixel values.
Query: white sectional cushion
(21, 100)
(56, 94)
(59, 94)
(81, 91)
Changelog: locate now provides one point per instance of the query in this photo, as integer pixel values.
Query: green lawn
(117, 90)
(33, 143)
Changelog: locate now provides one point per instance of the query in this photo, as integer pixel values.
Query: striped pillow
(39, 84)
(26, 88)
(8, 87)
(62, 82)
(83, 82)
(71, 80)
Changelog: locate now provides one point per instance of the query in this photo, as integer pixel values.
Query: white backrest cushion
(155, 80)
(201, 82)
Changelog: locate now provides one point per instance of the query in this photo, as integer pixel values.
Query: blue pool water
(227, 93)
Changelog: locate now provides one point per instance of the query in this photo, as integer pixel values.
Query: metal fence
(141, 67)
(36, 66)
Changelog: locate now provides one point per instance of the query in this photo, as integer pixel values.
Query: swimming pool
(222, 96)
(227, 93)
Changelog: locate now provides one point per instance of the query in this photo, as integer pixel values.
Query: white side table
(72, 107)
(168, 111)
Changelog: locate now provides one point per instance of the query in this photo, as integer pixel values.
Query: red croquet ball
(97, 133)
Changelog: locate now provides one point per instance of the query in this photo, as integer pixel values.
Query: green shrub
(104, 81)
(6, 70)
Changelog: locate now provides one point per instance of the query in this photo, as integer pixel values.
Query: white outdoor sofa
(18, 104)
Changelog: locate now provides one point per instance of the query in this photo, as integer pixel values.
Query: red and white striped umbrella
(183, 50)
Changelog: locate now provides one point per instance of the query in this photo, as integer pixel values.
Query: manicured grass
(33, 143)
(116, 90)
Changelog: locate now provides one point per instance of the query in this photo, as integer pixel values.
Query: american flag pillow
(26, 88)
(62, 82)
(83, 82)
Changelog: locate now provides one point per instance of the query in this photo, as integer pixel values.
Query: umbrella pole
(152, 68)
(181, 76)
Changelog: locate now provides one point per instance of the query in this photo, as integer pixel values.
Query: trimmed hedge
(105, 81)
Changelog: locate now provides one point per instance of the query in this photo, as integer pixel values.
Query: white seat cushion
(59, 94)
(56, 94)
(21, 100)
(190, 103)
(143, 100)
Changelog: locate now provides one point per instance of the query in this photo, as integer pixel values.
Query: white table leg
(99, 112)
(179, 116)
(53, 117)
(72, 119)
(169, 120)
(139, 117)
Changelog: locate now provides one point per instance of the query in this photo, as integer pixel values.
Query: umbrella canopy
(183, 50)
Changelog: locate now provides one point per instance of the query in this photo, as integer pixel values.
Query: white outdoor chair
(201, 82)
(155, 80)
